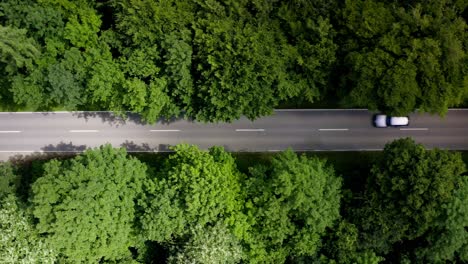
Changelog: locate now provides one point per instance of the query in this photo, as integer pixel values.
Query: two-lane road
(303, 130)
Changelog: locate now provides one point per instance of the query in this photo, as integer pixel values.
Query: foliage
(17, 51)
(9, 181)
(291, 203)
(214, 60)
(406, 193)
(85, 206)
(401, 57)
(19, 241)
(449, 241)
(210, 60)
(67, 32)
(198, 208)
(212, 244)
(194, 188)
(342, 246)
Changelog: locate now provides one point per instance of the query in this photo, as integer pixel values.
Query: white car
(392, 121)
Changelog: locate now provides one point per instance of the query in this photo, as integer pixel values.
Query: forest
(409, 205)
(215, 61)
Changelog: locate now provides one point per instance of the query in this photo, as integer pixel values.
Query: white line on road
(84, 131)
(250, 130)
(333, 129)
(414, 128)
(165, 130)
(11, 131)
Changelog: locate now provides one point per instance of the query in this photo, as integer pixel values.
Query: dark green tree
(448, 241)
(342, 246)
(406, 193)
(67, 34)
(9, 181)
(404, 56)
(219, 60)
(85, 207)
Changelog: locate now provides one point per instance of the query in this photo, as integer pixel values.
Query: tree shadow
(114, 119)
(64, 147)
(121, 118)
(144, 147)
(29, 167)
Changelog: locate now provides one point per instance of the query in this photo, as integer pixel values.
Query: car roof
(399, 121)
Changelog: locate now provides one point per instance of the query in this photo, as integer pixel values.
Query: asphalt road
(303, 130)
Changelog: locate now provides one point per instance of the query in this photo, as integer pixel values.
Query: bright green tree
(291, 203)
(85, 206)
(195, 187)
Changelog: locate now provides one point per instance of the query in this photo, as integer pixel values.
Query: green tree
(291, 202)
(212, 244)
(194, 188)
(67, 32)
(85, 206)
(342, 246)
(19, 241)
(9, 181)
(401, 57)
(448, 241)
(219, 60)
(17, 51)
(311, 49)
(407, 192)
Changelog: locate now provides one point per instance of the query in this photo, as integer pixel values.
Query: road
(303, 130)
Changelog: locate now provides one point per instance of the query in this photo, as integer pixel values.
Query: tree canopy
(214, 60)
(19, 240)
(401, 56)
(194, 188)
(408, 193)
(204, 206)
(208, 60)
(85, 206)
(291, 203)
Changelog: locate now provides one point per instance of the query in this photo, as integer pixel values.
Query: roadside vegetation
(218, 60)
(404, 205)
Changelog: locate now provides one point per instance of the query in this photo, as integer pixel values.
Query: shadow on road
(113, 119)
(119, 119)
(64, 147)
(144, 147)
